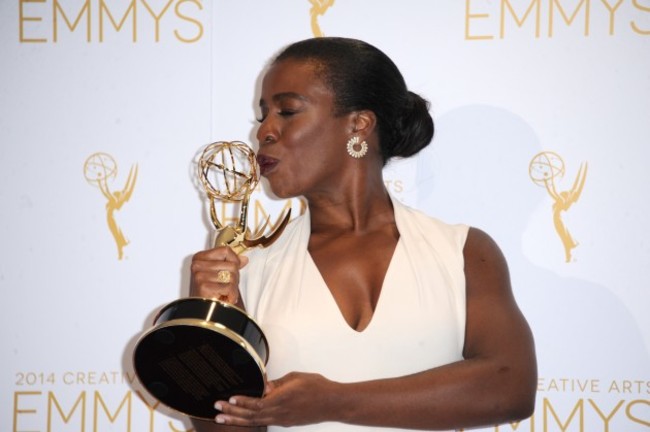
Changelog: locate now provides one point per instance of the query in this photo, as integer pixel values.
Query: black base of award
(200, 351)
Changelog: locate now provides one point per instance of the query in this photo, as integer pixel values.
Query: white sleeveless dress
(418, 324)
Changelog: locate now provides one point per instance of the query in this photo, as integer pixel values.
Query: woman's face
(302, 143)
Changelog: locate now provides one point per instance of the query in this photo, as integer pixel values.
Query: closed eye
(281, 113)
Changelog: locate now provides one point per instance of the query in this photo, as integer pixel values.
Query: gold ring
(223, 276)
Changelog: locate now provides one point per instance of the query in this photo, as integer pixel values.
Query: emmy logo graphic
(99, 170)
(318, 7)
(545, 169)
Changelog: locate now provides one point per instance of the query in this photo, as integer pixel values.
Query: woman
(377, 315)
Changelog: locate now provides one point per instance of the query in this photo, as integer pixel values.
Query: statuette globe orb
(228, 170)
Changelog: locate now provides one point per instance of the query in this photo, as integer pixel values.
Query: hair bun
(413, 128)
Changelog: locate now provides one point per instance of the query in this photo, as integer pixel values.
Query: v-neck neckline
(323, 287)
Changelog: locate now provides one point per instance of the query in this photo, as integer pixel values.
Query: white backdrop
(148, 83)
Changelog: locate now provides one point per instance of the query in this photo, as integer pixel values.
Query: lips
(266, 163)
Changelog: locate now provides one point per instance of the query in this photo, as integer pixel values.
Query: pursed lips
(266, 163)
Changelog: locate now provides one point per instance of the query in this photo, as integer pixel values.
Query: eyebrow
(283, 96)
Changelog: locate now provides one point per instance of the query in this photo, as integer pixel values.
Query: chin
(283, 194)
(278, 191)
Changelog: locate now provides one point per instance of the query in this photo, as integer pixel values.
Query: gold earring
(357, 149)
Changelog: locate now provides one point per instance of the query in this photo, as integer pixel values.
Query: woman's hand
(215, 274)
(295, 399)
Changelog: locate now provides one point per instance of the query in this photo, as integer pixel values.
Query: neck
(359, 208)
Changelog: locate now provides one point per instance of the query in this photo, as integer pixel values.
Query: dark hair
(364, 78)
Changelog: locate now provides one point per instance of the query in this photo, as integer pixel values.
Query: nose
(266, 134)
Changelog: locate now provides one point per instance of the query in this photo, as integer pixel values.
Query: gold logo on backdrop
(100, 169)
(41, 21)
(318, 7)
(546, 169)
(492, 20)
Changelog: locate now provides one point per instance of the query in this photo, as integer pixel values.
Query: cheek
(317, 140)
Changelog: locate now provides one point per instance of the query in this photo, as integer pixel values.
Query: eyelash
(282, 113)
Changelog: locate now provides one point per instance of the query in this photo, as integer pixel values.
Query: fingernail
(219, 419)
(218, 406)
(232, 401)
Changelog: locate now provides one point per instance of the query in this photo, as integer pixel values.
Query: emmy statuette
(201, 350)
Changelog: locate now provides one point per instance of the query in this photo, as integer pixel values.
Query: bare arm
(494, 383)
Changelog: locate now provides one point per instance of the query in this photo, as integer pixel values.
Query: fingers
(269, 387)
(222, 253)
(240, 411)
(215, 274)
(283, 404)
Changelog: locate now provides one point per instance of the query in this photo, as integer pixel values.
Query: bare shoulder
(486, 269)
(480, 246)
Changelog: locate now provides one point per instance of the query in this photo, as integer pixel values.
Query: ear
(363, 123)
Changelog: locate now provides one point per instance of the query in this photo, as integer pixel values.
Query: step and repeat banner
(542, 110)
